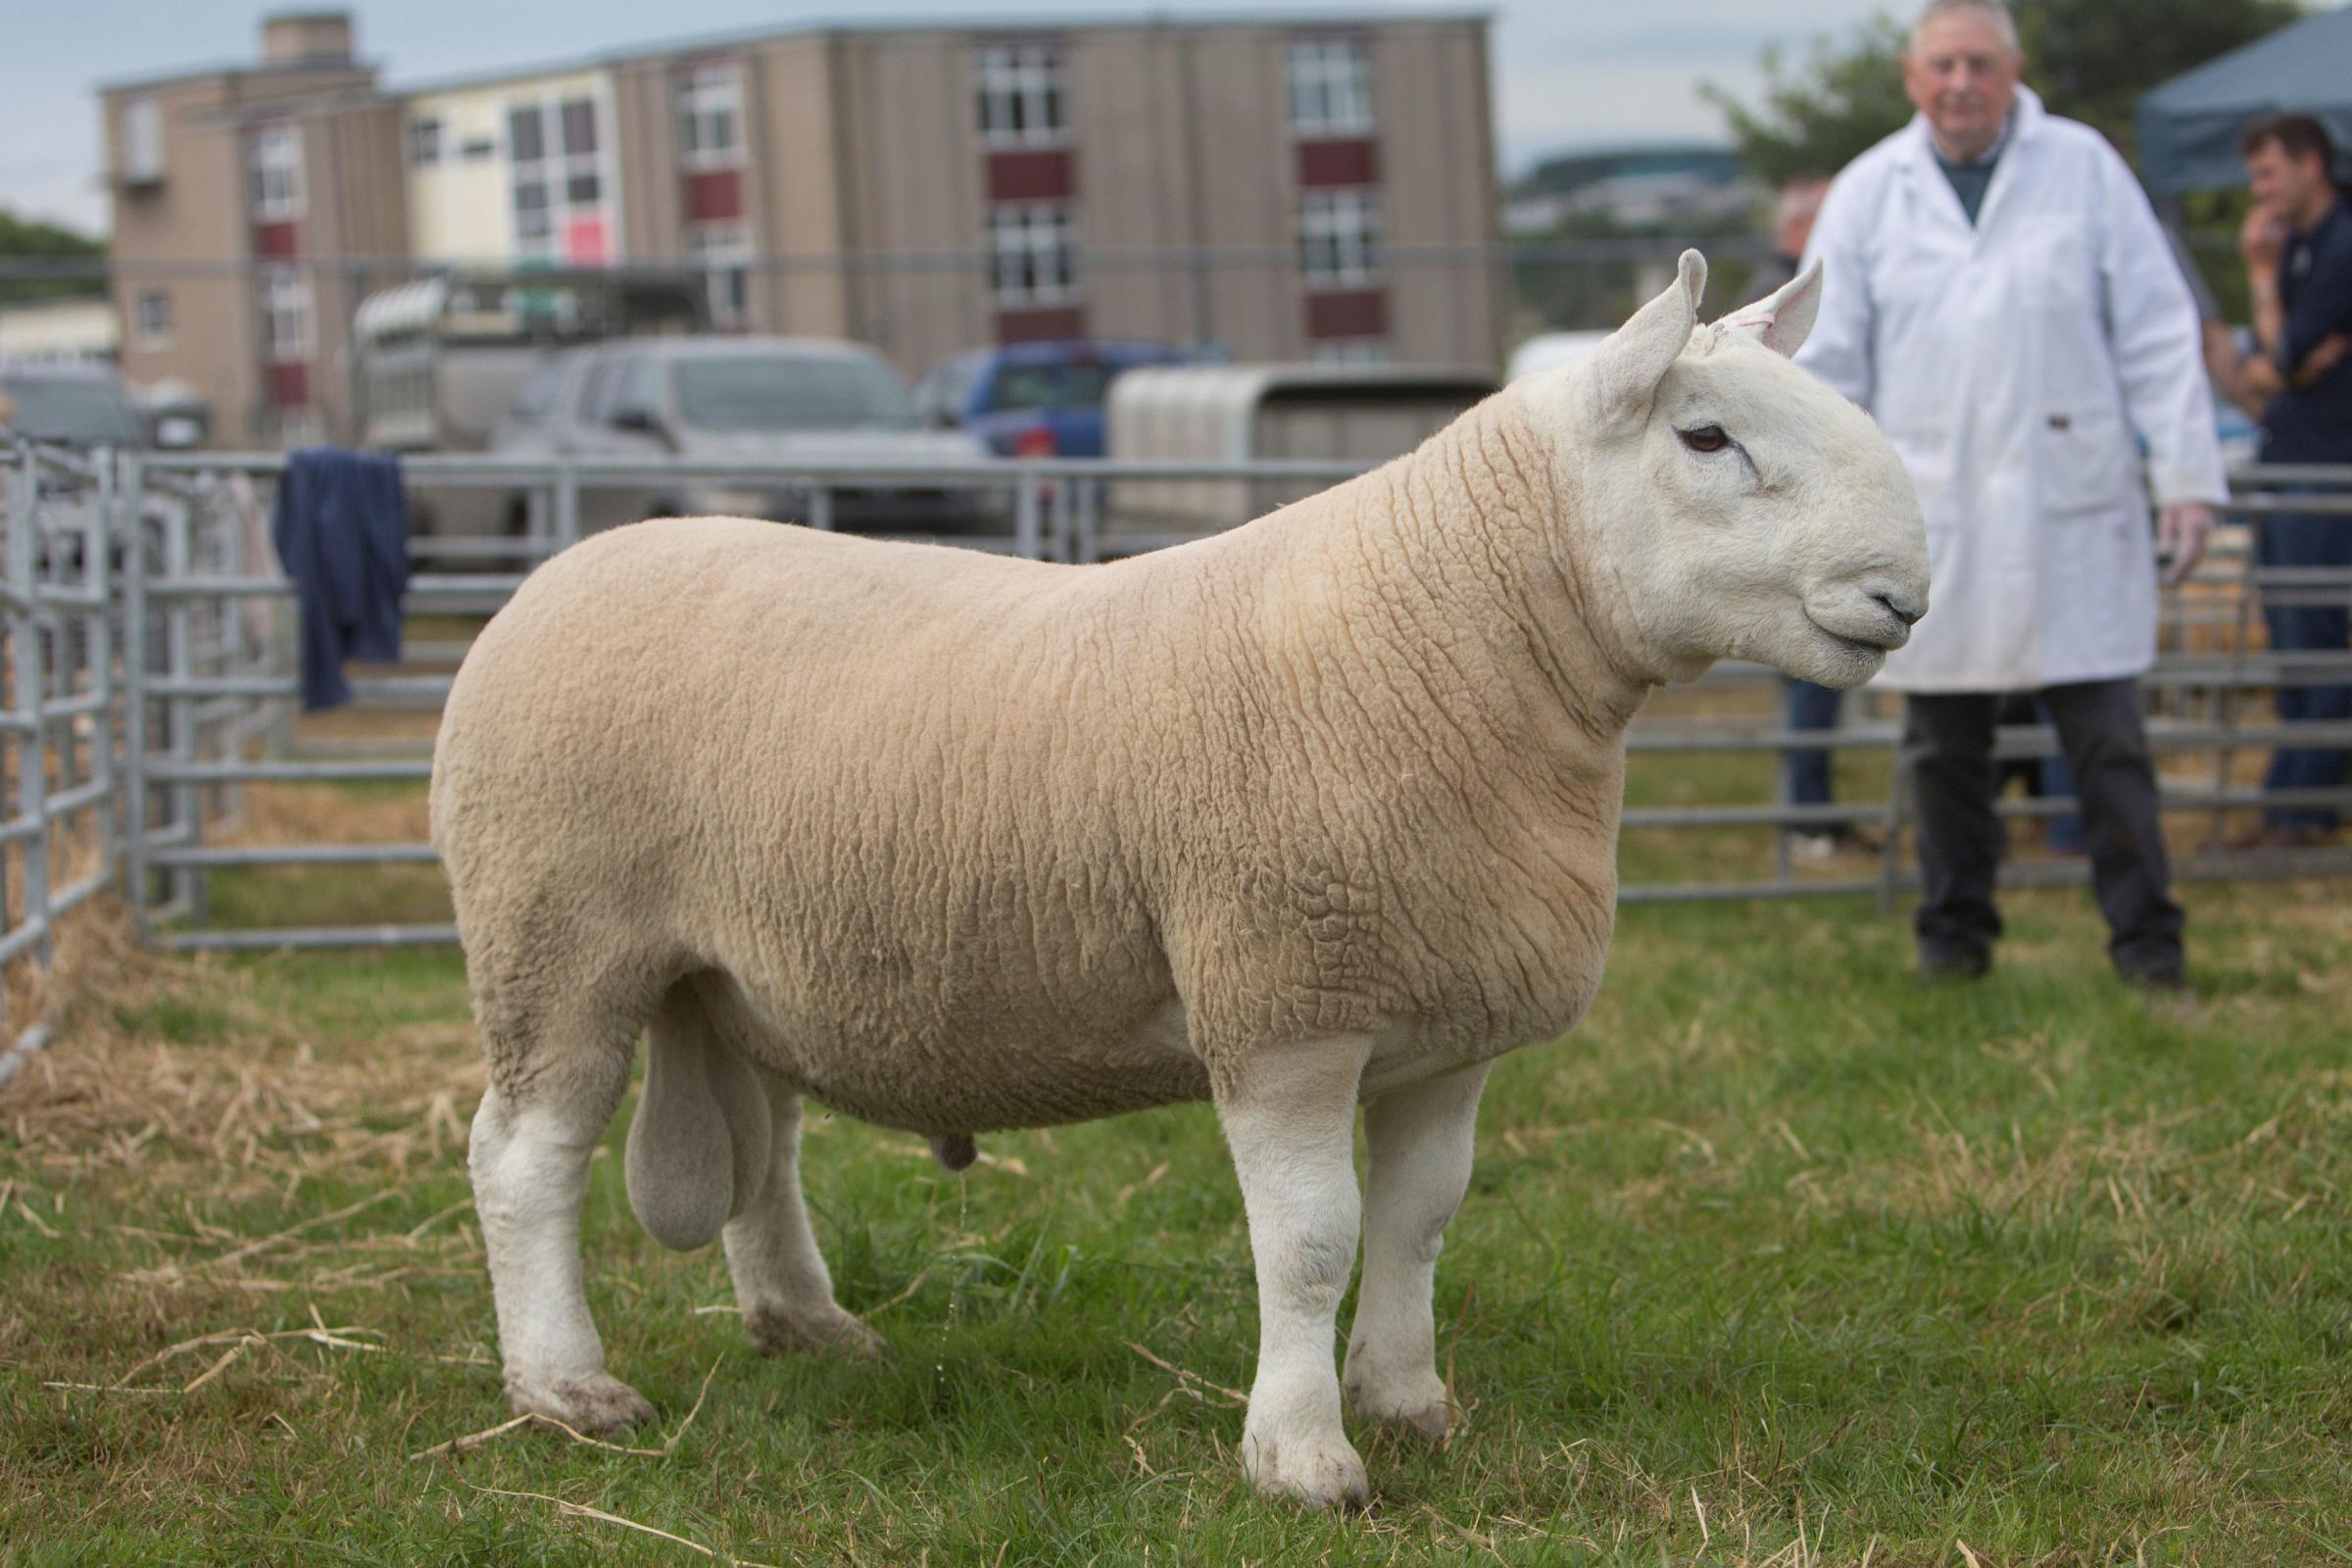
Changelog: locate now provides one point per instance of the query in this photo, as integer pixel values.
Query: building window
(723, 252)
(526, 137)
(286, 317)
(1331, 87)
(276, 173)
(304, 426)
(533, 221)
(711, 118)
(1339, 237)
(142, 141)
(151, 318)
(424, 142)
(1032, 255)
(555, 151)
(1024, 96)
(1350, 350)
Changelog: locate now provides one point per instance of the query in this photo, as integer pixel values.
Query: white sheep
(1317, 813)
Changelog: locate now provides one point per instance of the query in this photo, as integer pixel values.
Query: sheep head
(1730, 505)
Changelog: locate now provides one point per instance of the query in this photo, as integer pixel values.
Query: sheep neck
(1470, 545)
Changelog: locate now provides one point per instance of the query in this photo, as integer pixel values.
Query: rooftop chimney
(307, 39)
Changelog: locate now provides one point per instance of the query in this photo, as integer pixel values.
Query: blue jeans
(2290, 540)
(1810, 707)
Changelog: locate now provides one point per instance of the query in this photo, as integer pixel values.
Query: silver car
(754, 400)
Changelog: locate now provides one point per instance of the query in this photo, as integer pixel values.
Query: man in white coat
(2002, 299)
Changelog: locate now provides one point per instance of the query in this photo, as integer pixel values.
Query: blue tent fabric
(341, 528)
(2188, 127)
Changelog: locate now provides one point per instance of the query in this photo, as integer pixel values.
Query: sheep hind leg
(1419, 1139)
(781, 1283)
(533, 1137)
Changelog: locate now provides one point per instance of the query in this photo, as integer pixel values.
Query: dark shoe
(2282, 836)
(2159, 976)
(1954, 964)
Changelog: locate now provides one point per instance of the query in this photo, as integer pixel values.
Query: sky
(1568, 72)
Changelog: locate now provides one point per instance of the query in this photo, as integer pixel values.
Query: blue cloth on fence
(342, 534)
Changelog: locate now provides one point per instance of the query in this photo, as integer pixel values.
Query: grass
(1781, 1258)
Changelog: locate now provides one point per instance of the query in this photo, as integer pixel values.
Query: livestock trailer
(1362, 413)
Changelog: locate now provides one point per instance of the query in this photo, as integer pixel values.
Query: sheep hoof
(1326, 1474)
(599, 1405)
(1418, 1406)
(777, 1332)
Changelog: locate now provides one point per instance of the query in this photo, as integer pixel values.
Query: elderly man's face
(1962, 75)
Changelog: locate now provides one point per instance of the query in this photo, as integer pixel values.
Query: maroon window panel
(713, 194)
(289, 384)
(1349, 161)
(1049, 175)
(1039, 323)
(277, 242)
(1348, 312)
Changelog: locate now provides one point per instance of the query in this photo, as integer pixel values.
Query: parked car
(73, 404)
(1035, 400)
(739, 398)
(1549, 351)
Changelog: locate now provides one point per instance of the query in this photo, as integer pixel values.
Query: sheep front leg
(1290, 1118)
(1419, 1139)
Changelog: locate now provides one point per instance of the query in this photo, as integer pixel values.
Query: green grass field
(1781, 1258)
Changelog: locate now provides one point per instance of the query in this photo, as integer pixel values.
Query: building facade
(1280, 189)
(235, 192)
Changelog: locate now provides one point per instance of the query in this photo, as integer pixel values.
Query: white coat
(2010, 364)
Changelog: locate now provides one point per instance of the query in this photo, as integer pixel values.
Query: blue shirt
(2313, 424)
(1970, 181)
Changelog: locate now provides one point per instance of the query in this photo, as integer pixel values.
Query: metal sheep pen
(185, 665)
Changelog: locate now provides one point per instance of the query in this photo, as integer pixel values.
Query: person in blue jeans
(2297, 245)
(1810, 707)
(1815, 708)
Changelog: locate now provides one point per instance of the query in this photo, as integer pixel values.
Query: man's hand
(2319, 361)
(2181, 531)
(2258, 240)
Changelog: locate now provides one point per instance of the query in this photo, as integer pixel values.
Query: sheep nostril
(1901, 609)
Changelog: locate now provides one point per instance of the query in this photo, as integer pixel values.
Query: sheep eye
(1705, 438)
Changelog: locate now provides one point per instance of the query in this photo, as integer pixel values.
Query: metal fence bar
(369, 936)
(223, 856)
(288, 772)
(27, 677)
(179, 689)
(138, 826)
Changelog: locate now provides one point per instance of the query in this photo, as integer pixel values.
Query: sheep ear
(1628, 368)
(1783, 322)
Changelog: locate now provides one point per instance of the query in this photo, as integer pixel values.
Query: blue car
(1035, 400)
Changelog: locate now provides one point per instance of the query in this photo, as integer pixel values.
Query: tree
(2090, 60)
(1818, 119)
(30, 240)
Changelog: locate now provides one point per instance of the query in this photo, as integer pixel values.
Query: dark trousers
(2047, 778)
(1960, 839)
(2288, 540)
(1810, 707)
